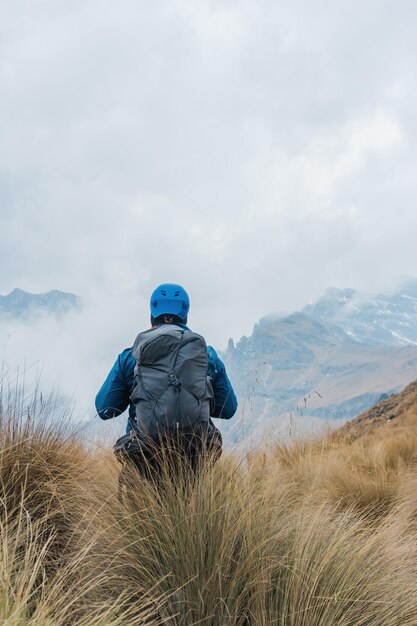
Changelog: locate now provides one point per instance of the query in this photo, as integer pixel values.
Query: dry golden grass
(313, 533)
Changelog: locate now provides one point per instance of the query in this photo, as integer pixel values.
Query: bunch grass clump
(311, 533)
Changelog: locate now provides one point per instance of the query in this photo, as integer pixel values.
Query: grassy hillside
(394, 414)
(312, 533)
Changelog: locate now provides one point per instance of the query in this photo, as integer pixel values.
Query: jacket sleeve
(224, 396)
(113, 397)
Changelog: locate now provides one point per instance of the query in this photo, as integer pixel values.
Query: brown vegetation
(306, 534)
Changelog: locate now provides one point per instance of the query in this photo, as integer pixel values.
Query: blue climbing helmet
(170, 299)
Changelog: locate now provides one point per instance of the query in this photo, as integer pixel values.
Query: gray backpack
(173, 391)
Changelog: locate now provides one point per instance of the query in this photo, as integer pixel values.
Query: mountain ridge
(397, 411)
(20, 304)
(329, 361)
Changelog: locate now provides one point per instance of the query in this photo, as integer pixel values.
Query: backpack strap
(173, 380)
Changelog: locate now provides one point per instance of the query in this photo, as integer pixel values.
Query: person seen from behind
(173, 384)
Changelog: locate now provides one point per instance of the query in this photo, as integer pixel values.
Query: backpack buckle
(173, 380)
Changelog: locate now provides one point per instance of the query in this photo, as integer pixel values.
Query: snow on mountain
(382, 319)
(330, 361)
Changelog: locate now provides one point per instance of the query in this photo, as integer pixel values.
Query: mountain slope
(19, 303)
(378, 320)
(332, 360)
(398, 412)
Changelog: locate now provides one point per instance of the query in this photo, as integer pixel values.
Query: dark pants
(168, 456)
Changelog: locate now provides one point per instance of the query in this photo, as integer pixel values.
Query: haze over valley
(321, 365)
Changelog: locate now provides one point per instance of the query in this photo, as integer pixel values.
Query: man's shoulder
(125, 366)
(125, 354)
(215, 364)
(126, 359)
(212, 354)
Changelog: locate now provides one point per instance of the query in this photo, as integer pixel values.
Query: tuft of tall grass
(312, 533)
(238, 547)
(31, 594)
(365, 473)
(62, 557)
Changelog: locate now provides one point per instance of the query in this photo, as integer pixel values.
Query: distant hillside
(19, 303)
(399, 411)
(332, 360)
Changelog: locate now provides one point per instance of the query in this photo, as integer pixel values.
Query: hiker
(173, 383)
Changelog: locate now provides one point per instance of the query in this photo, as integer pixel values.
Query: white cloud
(258, 152)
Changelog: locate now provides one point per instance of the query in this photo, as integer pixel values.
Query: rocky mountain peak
(331, 360)
(19, 303)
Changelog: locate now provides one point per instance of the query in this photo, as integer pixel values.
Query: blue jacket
(114, 395)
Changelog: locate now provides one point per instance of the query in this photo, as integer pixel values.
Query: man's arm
(113, 397)
(224, 396)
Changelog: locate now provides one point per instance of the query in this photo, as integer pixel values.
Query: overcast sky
(255, 151)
